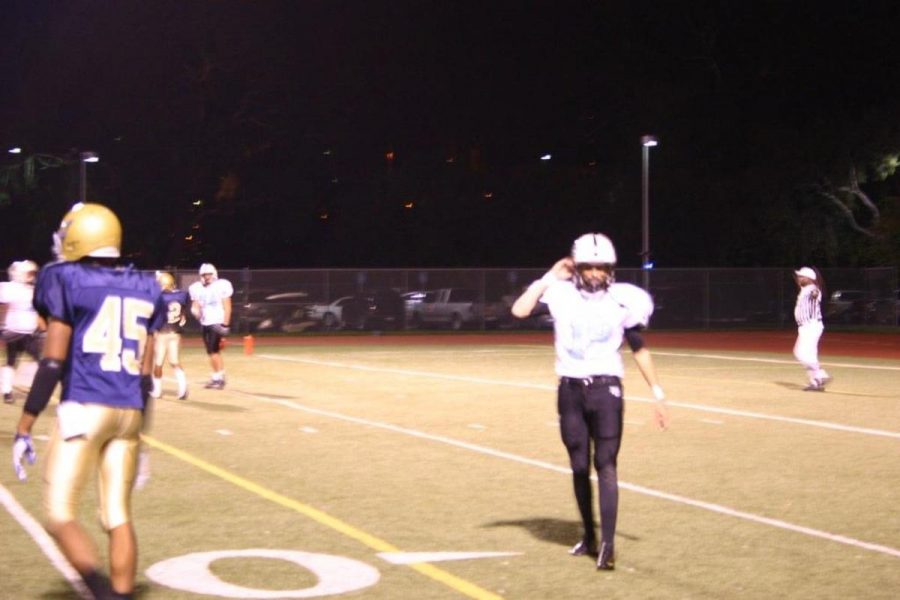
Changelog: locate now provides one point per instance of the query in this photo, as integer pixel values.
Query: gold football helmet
(88, 230)
(166, 281)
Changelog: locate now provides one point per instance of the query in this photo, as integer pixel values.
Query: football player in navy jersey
(100, 317)
(167, 342)
(592, 316)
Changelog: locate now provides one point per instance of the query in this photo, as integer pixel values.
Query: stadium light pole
(83, 159)
(647, 142)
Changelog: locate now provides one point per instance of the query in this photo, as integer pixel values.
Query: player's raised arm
(525, 303)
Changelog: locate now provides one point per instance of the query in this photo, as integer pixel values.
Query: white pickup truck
(455, 308)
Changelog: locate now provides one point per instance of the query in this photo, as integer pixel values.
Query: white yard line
(541, 386)
(44, 542)
(548, 350)
(773, 361)
(717, 508)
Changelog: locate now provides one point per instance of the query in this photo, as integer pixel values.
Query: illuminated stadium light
(85, 157)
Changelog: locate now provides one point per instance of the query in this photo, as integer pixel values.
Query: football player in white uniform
(23, 329)
(592, 315)
(211, 305)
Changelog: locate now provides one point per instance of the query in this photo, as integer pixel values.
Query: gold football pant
(109, 447)
(166, 344)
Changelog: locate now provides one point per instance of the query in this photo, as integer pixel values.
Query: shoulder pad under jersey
(636, 300)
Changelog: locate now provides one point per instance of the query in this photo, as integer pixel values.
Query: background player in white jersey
(22, 327)
(591, 317)
(808, 314)
(211, 305)
(99, 319)
(167, 341)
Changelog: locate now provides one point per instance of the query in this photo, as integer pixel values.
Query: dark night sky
(276, 114)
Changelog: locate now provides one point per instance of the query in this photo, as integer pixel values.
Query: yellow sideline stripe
(460, 585)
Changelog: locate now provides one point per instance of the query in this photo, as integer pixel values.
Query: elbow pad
(48, 375)
(634, 338)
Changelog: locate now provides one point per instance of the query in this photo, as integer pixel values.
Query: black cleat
(607, 559)
(7, 397)
(215, 384)
(584, 548)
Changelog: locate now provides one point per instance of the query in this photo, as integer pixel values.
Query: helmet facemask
(592, 278)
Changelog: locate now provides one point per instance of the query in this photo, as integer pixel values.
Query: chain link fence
(301, 300)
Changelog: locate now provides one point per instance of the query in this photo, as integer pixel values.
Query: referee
(808, 314)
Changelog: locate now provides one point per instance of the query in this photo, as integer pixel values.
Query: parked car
(271, 311)
(412, 304)
(886, 311)
(376, 309)
(328, 316)
(848, 306)
(457, 308)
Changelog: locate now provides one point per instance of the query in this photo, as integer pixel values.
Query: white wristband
(658, 393)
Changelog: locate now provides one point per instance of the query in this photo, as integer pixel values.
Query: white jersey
(809, 305)
(589, 328)
(210, 297)
(21, 317)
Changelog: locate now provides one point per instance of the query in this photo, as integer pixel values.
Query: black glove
(221, 330)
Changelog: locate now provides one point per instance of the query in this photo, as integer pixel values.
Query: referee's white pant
(806, 350)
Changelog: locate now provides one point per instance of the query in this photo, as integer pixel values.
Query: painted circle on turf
(336, 574)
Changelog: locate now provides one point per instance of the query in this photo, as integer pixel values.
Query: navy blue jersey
(176, 302)
(111, 311)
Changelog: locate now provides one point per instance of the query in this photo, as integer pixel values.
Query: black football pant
(591, 410)
(211, 340)
(16, 343)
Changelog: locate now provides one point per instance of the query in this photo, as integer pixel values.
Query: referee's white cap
(806, 272)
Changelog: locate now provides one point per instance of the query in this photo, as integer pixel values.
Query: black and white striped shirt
(809, 305)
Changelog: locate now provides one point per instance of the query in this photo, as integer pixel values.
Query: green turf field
(323, 470)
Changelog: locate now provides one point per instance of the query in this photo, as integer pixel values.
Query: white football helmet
(594, 249)
(208, 269)
(23, 271)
